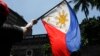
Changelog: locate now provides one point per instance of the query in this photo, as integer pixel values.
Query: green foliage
(95, 3)
(85, 4)
(90, 30)
(46, 46)
(47, 49)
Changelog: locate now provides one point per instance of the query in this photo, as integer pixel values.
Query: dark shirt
(9, 35)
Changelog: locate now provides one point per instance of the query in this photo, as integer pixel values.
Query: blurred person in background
(10, 34)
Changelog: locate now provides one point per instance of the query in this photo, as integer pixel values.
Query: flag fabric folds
(63, 30)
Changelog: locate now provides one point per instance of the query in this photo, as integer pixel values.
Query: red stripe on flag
(57, 41)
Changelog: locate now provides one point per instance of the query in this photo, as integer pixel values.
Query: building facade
(34, 45)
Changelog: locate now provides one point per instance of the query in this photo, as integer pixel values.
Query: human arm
(29, 26)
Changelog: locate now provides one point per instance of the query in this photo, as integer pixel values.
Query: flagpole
(65, 1)
(41, 17)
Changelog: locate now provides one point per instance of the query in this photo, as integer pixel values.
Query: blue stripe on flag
(73, 38)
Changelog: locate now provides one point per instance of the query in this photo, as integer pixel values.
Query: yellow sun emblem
(61, 19)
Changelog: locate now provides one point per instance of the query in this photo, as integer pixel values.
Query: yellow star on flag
(62, 18)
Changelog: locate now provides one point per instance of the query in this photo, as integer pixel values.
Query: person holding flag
(10, 34)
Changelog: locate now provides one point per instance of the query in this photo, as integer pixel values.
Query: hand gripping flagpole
(30, 24)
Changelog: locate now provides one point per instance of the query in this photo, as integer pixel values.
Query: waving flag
(63, 30)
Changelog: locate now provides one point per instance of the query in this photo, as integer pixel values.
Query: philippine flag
(63, 30)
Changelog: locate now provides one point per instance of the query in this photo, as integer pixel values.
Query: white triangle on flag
(59, 18)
